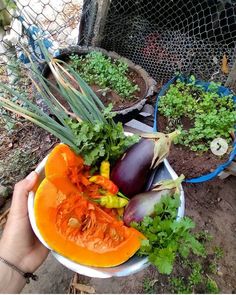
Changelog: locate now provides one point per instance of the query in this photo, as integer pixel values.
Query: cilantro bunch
(167, 237)
(98, 141)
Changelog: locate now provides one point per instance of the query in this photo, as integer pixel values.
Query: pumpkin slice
(62, 161)
(79, 229)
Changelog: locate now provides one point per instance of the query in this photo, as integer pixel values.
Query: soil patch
(109, 96)
(187, 162)
(21, 150)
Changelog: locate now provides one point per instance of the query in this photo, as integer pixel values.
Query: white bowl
(134, 264)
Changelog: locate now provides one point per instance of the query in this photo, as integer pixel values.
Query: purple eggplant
(143, 204)
(131, 171)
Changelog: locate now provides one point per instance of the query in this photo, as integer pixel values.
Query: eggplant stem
(169, 184)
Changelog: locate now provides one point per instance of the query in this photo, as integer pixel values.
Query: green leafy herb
(212, 116)
(95, 68)
(98, 141)
(167, 237)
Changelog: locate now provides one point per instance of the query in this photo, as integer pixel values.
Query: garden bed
(135, 75)
(188, 162)
(203, 112)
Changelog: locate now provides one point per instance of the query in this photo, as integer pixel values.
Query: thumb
(20, 195)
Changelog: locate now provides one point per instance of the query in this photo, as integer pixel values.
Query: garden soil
(212, 205)
(109, 96)
(184, 161)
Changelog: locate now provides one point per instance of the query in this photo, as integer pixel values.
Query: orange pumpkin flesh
(81, 230)
(61, 160)
(73, 226)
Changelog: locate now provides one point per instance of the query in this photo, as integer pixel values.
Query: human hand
(18, 244)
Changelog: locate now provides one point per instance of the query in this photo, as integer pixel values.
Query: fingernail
(31, 176)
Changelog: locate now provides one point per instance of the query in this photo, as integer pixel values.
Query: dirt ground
(212, 205)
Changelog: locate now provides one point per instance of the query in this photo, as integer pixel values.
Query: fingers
(20, 195)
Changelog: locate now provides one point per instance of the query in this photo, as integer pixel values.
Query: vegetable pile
(84, 207)
(74, 213)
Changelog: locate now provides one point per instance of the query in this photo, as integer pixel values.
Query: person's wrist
(12, 256)
(11, 281)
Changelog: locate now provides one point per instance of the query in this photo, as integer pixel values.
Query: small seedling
(195, 277)
(179, 287)
(211, 286)
(218, 252)
(148, 286)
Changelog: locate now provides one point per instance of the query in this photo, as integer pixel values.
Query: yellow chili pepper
(105, 169)
(113, 202)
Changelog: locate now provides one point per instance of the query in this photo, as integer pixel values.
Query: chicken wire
(165, 37)
(57, 20)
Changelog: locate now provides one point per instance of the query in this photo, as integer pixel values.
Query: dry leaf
(224, 65)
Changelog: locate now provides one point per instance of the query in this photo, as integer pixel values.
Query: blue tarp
(222, 91)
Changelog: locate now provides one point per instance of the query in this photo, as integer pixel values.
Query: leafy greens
(167, 237)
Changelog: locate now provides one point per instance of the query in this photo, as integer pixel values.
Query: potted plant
(205, 114)
(113, 78)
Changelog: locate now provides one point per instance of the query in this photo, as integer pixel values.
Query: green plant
(107, 142)
(167, 237)
(148, 286)
(217, 255)
(179, 286)
(211, 286)
(195, 277)
(211, 116)
(204, 236)
(218, 252)
(198, 281)
(95, 68)
(213, 267)
(84, 105)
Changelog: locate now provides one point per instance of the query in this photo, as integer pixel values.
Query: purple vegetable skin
(142, 205)
(131, 171)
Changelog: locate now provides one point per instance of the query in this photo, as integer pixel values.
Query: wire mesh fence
(165, 37)
(22, 20)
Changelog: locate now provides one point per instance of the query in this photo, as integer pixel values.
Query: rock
(4, 191)
(148, 109)
(2, 201)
